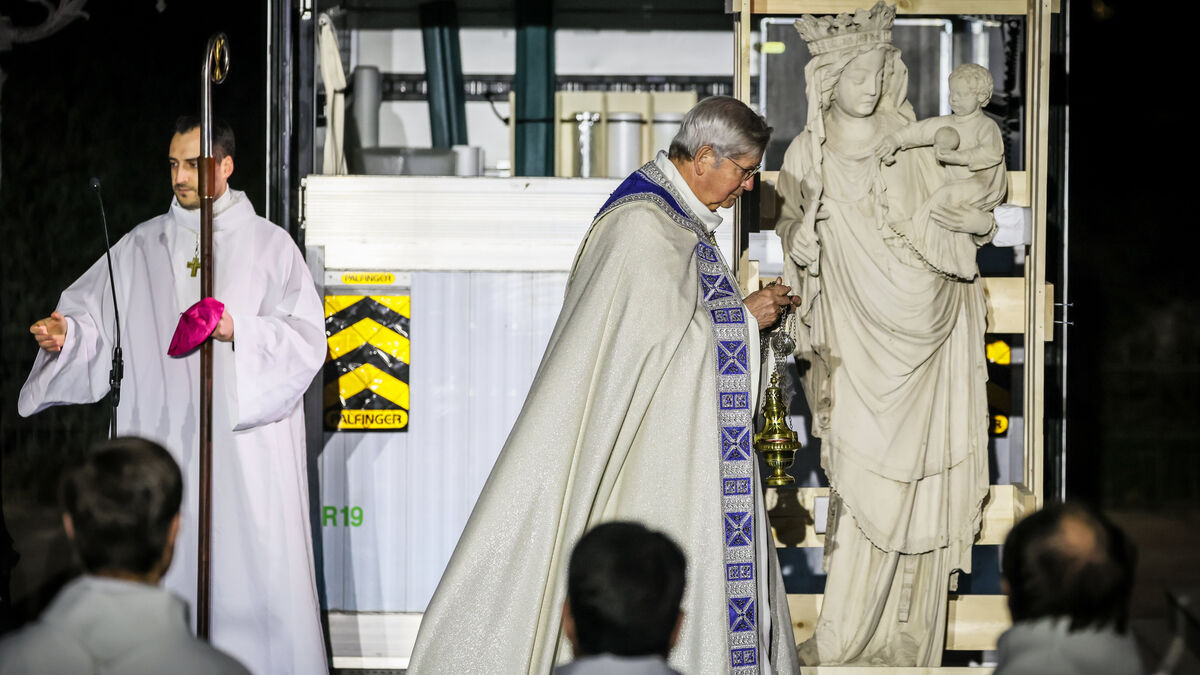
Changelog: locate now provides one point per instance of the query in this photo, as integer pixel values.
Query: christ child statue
(969, 145)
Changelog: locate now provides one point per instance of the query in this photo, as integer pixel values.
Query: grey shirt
(1046, 647)
(103, 625)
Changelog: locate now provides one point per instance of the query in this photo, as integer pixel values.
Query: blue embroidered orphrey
(723, 303)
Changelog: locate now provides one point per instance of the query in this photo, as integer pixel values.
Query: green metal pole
(443, 73)
(533, 84)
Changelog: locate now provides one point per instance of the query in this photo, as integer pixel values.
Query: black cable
(488, 96)
(117, 372)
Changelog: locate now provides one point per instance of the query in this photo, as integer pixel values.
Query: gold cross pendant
(194, 265)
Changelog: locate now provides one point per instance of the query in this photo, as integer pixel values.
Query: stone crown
(834, 33)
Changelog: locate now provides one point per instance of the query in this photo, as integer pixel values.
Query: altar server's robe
(264, 600)
(620, 424)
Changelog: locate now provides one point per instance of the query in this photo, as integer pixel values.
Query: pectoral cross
(194, 265)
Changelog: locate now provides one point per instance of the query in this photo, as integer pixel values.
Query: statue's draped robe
(264, 600)
(620, 423)
(897, 389)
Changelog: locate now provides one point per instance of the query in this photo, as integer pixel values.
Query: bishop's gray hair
(726, 124)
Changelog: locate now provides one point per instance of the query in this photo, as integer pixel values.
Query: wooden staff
(216, 67)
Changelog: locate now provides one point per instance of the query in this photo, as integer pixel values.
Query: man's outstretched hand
(50, 332)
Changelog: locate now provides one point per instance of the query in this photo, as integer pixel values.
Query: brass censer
(777, 443)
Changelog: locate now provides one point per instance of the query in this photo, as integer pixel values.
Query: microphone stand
(117, 372)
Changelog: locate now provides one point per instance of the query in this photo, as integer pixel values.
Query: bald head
(1068, 560)
(1077, 539)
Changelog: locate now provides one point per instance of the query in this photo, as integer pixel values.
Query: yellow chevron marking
(368, 376)
(369, 331)
(400, 304)
(336, 303)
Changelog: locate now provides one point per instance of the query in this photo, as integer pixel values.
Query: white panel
(477, 339)
(392, 51)
(604, 52)
(488, 260)
(577, 52)
(381, 641)
(437, 470)
(547, 300)
(487, 51)
(332, 464)
(405, 124)
(448, 223)
(484, 51)
(499, 311)
(724, 235)
(370, 547)
(488, 131)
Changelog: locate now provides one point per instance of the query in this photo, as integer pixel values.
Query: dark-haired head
(120, 507)
(222, 134)
(624, 587)
(183, 157)
(1069, 561)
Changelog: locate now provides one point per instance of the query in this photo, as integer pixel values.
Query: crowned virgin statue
(896, 373)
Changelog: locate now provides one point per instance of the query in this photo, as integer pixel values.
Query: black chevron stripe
(368, 400)
(366, 353)
(366, 308)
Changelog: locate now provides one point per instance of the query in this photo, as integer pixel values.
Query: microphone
(117, 372)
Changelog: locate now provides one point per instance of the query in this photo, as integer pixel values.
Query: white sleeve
(79, 372)
(277, 354)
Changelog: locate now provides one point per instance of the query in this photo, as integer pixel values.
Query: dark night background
(99, 97)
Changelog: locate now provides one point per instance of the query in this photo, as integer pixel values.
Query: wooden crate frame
(1029, 187)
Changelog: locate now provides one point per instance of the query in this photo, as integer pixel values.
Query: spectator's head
(1069, 561)
(121, 509)
(624, 587)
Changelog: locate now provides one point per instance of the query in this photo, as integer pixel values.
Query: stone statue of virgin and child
(881, 219)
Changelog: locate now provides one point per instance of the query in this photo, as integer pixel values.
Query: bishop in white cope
(641, 410)
(271, 342)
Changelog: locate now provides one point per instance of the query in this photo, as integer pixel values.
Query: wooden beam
(1018, 188)
(905, 7)
(741, 88)
(976, 621)
(1037, 297)
(1006, 304)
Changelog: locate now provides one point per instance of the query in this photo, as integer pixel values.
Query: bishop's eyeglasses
(747, 173)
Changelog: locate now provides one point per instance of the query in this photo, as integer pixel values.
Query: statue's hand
(810, 190)
(802, 246)
(886, 150)
(962, 218)
(801, 242)
(957, 157)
